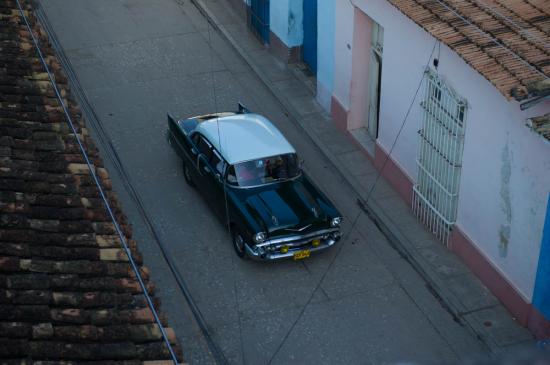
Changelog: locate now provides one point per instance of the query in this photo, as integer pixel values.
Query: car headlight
(259, 237)
(335, 222)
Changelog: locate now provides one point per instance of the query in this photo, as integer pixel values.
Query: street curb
(373, 210)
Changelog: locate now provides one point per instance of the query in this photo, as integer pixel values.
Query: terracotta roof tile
(67, 292)
(541, 125)
(507, 41)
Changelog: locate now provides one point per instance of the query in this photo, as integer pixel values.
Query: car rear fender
(178, 135)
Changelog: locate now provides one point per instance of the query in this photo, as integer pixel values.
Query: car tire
(187, 175)
(239, 244)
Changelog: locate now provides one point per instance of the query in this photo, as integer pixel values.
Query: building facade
(438, 97)
(289, 27)
(401, 79)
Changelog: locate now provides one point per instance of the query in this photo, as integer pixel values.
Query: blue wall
(325, 50)
(285, 18)
(541, 296)
(286, 21)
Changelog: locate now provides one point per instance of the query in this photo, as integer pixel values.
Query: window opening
(204, 147)
(441, 143)
(217, 162)
(265, 170)
(231, 176)
(195, 138)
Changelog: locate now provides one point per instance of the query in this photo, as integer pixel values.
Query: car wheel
(187, 175)
(238, 244)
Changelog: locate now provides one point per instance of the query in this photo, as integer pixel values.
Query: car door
(215, 184)
(209, 180)
(204, 152)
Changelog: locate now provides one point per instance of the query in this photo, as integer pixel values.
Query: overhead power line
(111, 152)
(100, 189)
(356, 219)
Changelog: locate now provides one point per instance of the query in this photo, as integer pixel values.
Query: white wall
(343, 40)
(505, 182)
(492, 123)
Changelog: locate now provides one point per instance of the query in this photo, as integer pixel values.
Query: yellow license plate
(301, 254)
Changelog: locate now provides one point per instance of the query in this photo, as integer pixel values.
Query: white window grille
(435, 194)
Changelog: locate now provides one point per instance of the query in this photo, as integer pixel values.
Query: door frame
(257, 18)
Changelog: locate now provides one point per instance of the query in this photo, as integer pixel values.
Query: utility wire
(129, 186)
(356, 219)
(402, 125)
(223, 182)
(100, 189)
(216, 109)
(340, 247)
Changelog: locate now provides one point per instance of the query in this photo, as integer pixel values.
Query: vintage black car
(251, 177)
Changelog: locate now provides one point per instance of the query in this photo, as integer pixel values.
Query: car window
(231, 176)
(267, 170)
(204, 147)
(195, 138)
(217, 162)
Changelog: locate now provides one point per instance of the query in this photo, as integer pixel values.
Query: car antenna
(241, 107)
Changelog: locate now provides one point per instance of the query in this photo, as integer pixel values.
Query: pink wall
(525, 313)
(484, 188)
(486, 192)
(362, 25)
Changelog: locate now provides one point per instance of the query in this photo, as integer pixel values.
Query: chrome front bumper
(271, 249)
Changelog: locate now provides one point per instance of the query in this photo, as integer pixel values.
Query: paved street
(359, 302)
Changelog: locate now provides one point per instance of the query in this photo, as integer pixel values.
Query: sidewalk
(458, 290)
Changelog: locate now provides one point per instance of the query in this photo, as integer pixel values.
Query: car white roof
(244, 137)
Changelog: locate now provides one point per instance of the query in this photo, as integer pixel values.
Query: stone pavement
(464, 296)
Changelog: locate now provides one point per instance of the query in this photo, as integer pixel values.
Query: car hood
(291, 205)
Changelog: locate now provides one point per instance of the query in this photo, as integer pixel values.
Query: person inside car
(277, 169)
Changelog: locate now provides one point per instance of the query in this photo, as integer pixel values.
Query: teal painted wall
(541, 295)
(285, 18)
(325, 50)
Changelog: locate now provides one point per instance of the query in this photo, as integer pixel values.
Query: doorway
(365, 88)
(309, 48)
(258, 19)
(375, 72)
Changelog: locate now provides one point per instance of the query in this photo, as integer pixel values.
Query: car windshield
(264, 170)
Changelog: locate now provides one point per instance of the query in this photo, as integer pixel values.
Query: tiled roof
(507, 41)
(541, 125)
(67, 291)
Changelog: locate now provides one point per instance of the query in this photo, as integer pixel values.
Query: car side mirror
(193, 150)
(242, 109)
